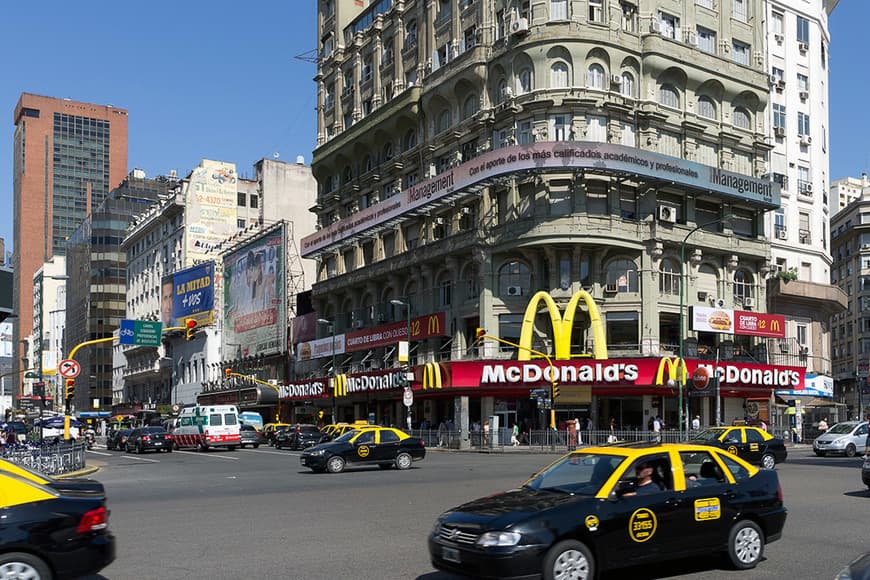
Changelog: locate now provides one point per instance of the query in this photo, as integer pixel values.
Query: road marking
(290, 453)
(99, 453)
(199, 454)
(141, 458)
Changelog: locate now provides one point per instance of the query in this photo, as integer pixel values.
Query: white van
(205, 426)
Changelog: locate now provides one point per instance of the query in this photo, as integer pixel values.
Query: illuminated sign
(742, 322)
(422, 327)
(562, 326)
(673, 366)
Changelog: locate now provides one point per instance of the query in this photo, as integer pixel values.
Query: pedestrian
(612, 437)
(696, 423)
(515, 432)
(442, 434)
(577, 430)
(657, 428)
(486, 433)
(823, 425)
(649, 423)
(424, 425)
(763, 425)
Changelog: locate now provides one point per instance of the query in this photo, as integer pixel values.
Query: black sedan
(859, 569)
(143, 439)
(609, 507)
(382, 446)
(299, 437)
(52, 532)
(751, 444)
(118, 439)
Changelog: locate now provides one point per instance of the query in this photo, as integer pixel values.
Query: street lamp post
(681, 377)
(334, 368)
(407, 306)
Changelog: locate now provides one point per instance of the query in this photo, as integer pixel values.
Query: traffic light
(555, 392)
(70, 391)
(228, 372)
(191, 329)
(479, 333)
(320, 414)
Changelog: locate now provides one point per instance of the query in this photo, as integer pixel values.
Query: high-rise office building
(68, 155)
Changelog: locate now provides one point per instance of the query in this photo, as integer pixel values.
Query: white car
(846, 438)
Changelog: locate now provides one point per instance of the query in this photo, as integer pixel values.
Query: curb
(79, 473)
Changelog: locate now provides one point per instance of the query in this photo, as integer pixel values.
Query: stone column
(461, 421)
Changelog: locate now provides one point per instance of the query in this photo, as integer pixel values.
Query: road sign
(408, 398)
(140, 332)
(539, 393)
(69, 369)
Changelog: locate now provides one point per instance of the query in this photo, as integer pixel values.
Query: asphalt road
(259, 514)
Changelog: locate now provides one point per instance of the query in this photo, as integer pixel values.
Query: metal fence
(54, 459)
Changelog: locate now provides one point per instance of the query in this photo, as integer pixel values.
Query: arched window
(348, 174)
(410, 139)
(501, 91)
(368, 165)
(626, 87)
(741, 118)
(622, 276)
(595, 77)
(743, 286)
(669, 278)
(443, 121)
(524, 81)
(387, 152)
(559, 75)
(470, 106)
(669, 97)
(706, 107)
(514, 279)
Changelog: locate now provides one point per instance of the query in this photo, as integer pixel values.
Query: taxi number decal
(707, 509)
(363, 451)
(732, 450)
(592, 523)
(753, 446)
(642, 525)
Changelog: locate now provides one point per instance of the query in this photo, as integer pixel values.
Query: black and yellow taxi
(271, 429)
(382, 446)
(751, 444)
(613, 506)
(336, 430)
(52, 528)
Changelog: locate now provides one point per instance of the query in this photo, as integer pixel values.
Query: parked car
(845, 438)
(145, 438)
(249, 436)
(118, 439)
(748, 443)
(585, 513)
(299, 437)
(52, 532)
(271, 429)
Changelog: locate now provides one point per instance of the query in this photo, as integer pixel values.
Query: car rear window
(154, 430)
(310, 429)
(738, 471)
(247, 428)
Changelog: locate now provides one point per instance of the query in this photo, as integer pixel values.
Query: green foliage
(787, 275)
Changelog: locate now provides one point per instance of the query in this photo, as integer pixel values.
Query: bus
(251, 418)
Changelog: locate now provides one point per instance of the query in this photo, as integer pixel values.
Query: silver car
(845, 438)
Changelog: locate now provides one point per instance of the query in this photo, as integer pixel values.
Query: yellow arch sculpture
(562, 326)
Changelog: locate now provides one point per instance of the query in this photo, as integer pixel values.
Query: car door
(706, 511)
(133, 438)
(387, 445)
(859, 436)
(754, 447)
(732, 441)
(364, 446)
(640, 527)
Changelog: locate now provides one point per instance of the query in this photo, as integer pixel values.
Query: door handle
(673, 502)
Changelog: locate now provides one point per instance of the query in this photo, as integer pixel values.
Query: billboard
(188, 294)
(727, 321)
(210, 207)
(255, 304)
(422, 327)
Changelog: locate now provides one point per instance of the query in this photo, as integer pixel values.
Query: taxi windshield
(577, 473)
(708, 435)
(842, 428)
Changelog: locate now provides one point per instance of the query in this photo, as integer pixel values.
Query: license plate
(450, 554)
(158, 443)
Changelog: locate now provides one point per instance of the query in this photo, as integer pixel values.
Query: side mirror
(625, 486)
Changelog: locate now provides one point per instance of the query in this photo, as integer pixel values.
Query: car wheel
(169, 449)
(335, 464)
(850, 450)
(140, 450)
(768, 461)
(21, 565)
(200, 446)
(569, 559)
(256, 445)
(403, 461)
(745, 545)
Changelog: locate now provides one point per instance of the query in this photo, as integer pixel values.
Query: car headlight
(490, 539)
(845, 574)
(316, 451)
(436, 529)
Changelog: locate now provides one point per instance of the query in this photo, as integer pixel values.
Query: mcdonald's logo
(673, 366)
(562, 326)
(339, 386)
(775, 326)
(431, 376)
(433, 325)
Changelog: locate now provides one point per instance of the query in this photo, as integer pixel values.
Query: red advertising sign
(756, 324)
(304, 327)
(421, 328)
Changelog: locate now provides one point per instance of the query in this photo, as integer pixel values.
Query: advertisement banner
(742, 322)
(210, 209)
(321, 347)
(304, 328)
(557, 155)
(188, 295)
(255, 307)
(422, 327)
(719, 320)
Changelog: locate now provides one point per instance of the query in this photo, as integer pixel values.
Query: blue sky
(219, 79)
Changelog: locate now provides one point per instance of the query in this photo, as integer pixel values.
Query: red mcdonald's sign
(422, 327)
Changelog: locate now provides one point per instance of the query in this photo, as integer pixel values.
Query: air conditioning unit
(805, 350)
(702, 295)
(803, 46)
(519, 26)
(439, 221)
(615, 80)
(611, 288)
(782, 234)
(779, 131)
(780, 84)
(804, 95)
(515, 290)
(748, 302)
(667, 214)
(779, 38)
(382, 317)
(806, 140)
(357, 324)
(772, 79)
(655, 26)
(717, 302)
(691, 38)
(807, 188)
(465, 211)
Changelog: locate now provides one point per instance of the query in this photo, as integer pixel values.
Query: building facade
(471, 154)
(68, 155)
(49, 303)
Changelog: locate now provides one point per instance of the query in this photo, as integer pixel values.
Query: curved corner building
(471, 153)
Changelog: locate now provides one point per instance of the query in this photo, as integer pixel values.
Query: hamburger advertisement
(713, 319)
(726, 321)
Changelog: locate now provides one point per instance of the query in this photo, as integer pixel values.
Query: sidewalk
(558, 449)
